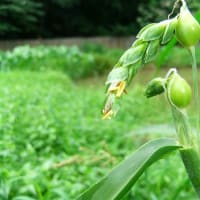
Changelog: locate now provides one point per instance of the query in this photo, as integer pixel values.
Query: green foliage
(143, 50)
(176, 56)
(71, 60)
(164, 53)
(47, 120)
(120, 180)
(178, 92)
(88, 60)
(19, 17)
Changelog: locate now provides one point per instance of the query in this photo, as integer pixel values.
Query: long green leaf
(120, 180)
(161, 59)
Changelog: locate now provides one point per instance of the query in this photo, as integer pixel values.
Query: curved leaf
(120, 180)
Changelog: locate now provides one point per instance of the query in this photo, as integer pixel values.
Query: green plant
(178, 94)
(77, 63)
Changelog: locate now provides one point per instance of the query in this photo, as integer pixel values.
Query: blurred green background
(53, 142)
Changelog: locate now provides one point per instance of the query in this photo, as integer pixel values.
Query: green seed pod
(179, 91)
(187, 28)
(155, 87)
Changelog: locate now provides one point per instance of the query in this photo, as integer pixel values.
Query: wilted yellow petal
(121, 88)
(108, 114)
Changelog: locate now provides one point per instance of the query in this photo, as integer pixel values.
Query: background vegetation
(53, 143)
(79, 62)
(62, 18)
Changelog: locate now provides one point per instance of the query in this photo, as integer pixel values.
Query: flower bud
(179, 91)
(187, 28)
(155, 87)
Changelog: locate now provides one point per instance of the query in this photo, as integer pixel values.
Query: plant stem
(190, 156)
(189, 153)
(195, 89)
(183, 128)
(191, 161)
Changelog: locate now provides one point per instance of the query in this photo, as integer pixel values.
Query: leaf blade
(117, 183)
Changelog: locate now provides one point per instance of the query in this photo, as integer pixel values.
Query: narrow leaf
(120, 180)
(191, 160)
(164, 53)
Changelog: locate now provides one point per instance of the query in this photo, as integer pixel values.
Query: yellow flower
(117, 88)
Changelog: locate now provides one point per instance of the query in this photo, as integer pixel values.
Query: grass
(54, 145)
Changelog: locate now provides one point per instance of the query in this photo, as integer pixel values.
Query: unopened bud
(155, 87)
(187, 28)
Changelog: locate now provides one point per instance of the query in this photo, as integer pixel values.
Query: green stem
(195, 88)
(183, 128)
(190, 153)
(191, 161)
